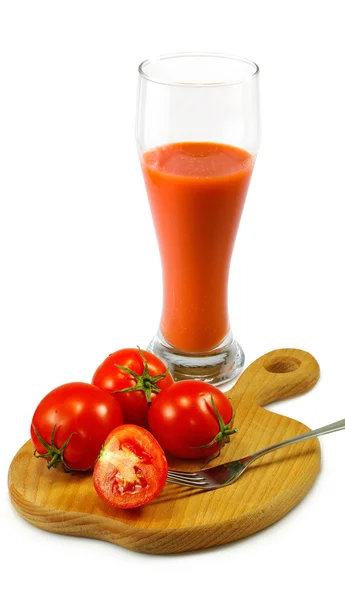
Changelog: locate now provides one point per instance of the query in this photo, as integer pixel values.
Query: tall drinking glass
(198, 135)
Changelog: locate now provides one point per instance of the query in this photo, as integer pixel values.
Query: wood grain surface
(182, 518)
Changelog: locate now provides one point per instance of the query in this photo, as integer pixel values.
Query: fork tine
(183, 473)
(187, 476)
(173, 472)
(187, 481)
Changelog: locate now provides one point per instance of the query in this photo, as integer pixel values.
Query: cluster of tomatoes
(120, 425)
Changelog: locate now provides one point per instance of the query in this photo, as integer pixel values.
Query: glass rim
(162, 81)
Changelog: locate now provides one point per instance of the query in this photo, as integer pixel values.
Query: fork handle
(299, 438)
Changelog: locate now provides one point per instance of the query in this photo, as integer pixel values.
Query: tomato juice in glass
(196, 192)
(198, 136)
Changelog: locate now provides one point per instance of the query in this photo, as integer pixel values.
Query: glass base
(217, 366)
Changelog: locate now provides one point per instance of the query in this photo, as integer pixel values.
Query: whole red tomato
(191, 419)
(71, 423)
(131, 469)
(134, 377)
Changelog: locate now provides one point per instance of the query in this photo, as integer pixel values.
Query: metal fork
(216, 477)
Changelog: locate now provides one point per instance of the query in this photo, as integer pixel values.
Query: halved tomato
(131, 469)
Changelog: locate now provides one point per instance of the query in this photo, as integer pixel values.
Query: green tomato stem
(225, 431)
(54, 455)
(145, 382)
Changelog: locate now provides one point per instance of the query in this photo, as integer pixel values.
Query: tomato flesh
(126, 475)
(131, 469)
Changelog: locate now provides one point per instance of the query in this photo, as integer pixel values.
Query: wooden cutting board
(182, 518)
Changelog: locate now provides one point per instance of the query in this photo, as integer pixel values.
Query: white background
(80, 272)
